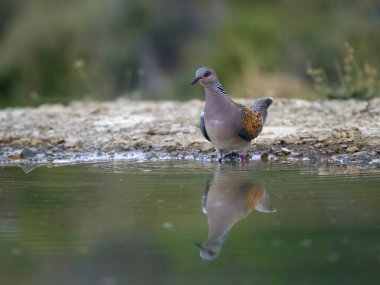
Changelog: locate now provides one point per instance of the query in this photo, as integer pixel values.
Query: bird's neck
(216, 98)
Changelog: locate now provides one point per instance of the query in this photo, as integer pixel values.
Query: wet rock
(264, 157)
(298, 155)
(27, 153)
(14, 156)
(151, 156)
(285, 151)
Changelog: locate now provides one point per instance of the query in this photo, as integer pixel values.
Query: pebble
(352, 149)
(264, 157)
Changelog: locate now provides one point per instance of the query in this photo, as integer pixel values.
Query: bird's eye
(207, 74)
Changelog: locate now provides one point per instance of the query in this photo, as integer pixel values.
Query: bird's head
(209, 252)
(211, 248)
(205, 76)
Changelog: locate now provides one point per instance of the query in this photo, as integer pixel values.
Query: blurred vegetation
(58, 51)
(354, 80)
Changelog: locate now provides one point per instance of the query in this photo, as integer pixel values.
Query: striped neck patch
(220, 88)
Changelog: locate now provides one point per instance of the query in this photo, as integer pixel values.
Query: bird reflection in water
(230, 196)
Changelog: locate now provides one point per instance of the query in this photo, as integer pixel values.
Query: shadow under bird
(228, 125)
(229, 197)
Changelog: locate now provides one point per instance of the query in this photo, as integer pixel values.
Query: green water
(137, 223)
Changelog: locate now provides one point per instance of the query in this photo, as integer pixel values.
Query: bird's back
(252, 119)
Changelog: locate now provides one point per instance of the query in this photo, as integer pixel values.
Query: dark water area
(189, 223)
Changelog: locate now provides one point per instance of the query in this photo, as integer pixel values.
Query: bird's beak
(196, 79)
(199, 246)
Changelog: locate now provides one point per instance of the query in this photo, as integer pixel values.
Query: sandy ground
(335, 131)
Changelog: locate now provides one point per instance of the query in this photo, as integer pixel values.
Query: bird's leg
(220, 155)
(243, 156)
(242, 159)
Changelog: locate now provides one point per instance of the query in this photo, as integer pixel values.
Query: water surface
(138, 223)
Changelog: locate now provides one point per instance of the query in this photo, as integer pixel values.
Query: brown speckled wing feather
(250, 124)
(251, 196)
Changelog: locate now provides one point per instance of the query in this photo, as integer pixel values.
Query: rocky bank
(331, 131)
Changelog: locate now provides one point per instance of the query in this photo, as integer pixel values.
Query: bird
(228, 125)
(231, 196)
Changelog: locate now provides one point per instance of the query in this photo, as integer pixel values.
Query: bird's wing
(251, 195)
(265, 206)
(250, 123)
(203, 126)
(254, 196)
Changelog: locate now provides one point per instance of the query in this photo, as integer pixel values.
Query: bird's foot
(243, 158)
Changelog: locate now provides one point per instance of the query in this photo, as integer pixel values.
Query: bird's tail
(261, 106)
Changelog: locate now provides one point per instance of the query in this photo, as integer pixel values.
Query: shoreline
(346, 132)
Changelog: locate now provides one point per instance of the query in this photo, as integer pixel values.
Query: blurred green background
(59, 51)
